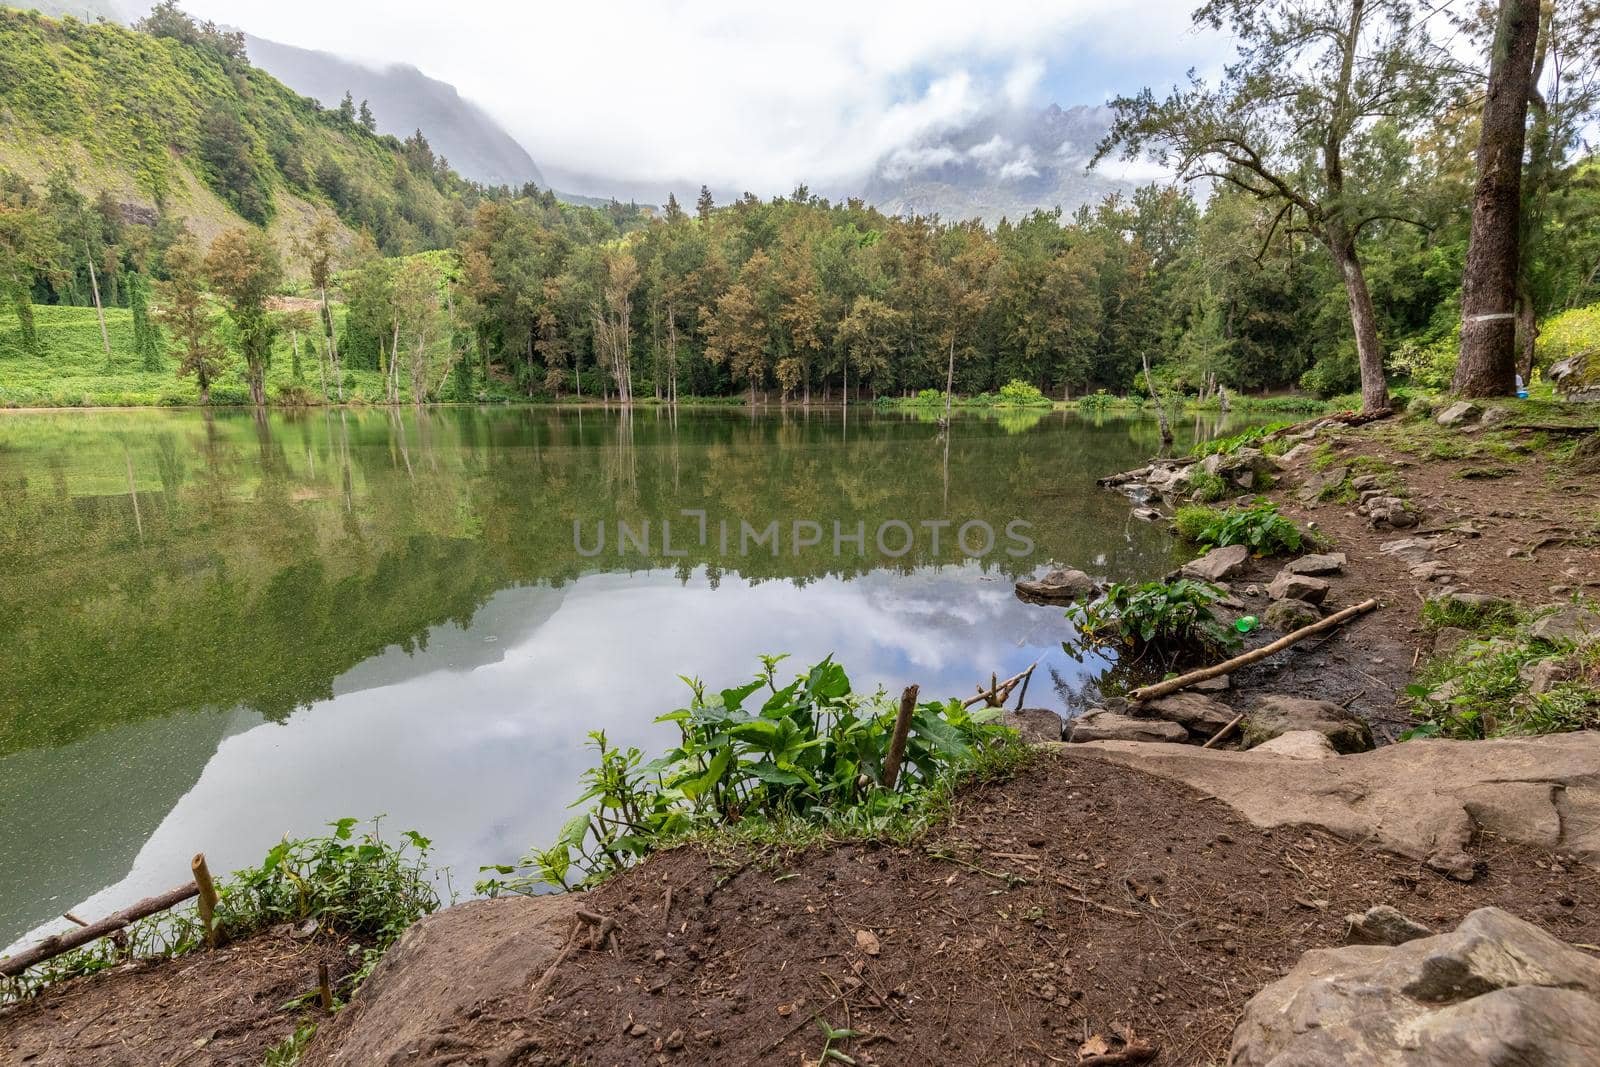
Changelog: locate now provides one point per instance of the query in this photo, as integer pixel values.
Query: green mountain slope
(179, 122)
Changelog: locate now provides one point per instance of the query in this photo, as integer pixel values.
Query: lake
(216, 629)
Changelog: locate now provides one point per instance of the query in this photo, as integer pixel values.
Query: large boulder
(1200, 715)
(1429, 800)
(1218, 565)
(1300, 744)
(1496, 990)
(1275, 714)
(1569, 624)
(1102, 725)
(1058, 586)
(1246, 468)
(1289, 585)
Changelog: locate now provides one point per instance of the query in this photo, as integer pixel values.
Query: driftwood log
(56, 944)
(1183, 681)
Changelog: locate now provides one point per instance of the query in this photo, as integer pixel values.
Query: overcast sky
(739, 93)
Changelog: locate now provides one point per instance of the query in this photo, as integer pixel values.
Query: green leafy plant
(1207, 487)
(1226, 446)
(1168, 616)
(1021, 394)
(1258, 527)
(360, 887)
(810, 752)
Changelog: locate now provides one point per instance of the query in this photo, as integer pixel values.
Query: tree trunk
(94, 283)
(1374, 386)
(1489, 288)
(333, 346)
(950, 379)
(1155, 398)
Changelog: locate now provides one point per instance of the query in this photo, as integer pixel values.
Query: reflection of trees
(278, 555)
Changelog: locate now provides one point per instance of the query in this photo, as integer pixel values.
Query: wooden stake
(324, 987)
(1183, 681)
(208, 896)
(1225, 731)
(897, 743)
(56, 944)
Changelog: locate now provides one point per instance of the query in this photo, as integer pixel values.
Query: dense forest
(1318, 221)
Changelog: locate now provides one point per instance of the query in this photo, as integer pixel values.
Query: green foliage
(1205, 487)
(287, 1053)
(360, 887)
(1441, 611)
(1022, 395)
(1569, 334)
(1427, 364)
(1227, 446)
(1168, 616)
(812, 753)
(1100, 401)
(1259, 527)
(1481, 689)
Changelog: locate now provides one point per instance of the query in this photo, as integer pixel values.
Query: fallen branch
(1135, 1053)
(1225, 731)
(1183, 681)
(994, 690)
(56, 944)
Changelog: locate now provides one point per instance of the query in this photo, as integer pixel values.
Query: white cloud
(732, 93)
(1019, 168)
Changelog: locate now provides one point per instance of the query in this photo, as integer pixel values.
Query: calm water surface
(215, 630)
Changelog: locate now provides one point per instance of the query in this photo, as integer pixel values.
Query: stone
(1496, 990)
(1062, 585)
(1320, 481)
(1366, 483)
(1569, 624)
(1147, 514)
(1448, 639)
(1296, 455)
(1287, 615)
(1291, 586)
(1409, 549)
(1382, 924)
(1542, 675)
(1474, 605)
(1102, 725)
(1430, 800)
(1300, 744)
(1276, 714)
(1459, 413)
(1220, 684)
(1198, 714)
(1318, 564)
(1433, 570)
(1218, 564)
(1495, 416)
(1036, 725)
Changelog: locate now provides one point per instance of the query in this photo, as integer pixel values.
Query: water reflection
(218, 630)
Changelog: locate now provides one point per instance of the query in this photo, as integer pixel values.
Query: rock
(1472, 605)
(1291, 586)
(1275, 714)
(1320, 481)
(1147, 515)
(1448, 639)
(1366, 483)
(1542, 675)
(1218, 564)
(1462, 411)
(1569, 624)
(1495, 416)
(1389, 511)
(1243, 468)
(1219, 684)
(1382, 925)
(1427, 799)
(1062, 585)
(1420, 405)
(1409, 549)
(1433, 570)
(1299, 744)
(1102, 725)
(1318, 564)
(1035, 724)
(1287, 615)
(1496, 990)
(1200, 715)
(1296, 455)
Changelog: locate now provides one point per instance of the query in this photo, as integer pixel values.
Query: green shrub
(363, 888)
(1258, 527)
(1206, 487)
(1568, 334)
(1169, 616)
(812, 754)
(1228, 445)
(1022, 394)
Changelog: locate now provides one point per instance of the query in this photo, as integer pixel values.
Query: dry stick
(1225, 731)
(1183, 681)
(324, 987)
(56, 944)
(208, 896)
(897, 743)
(1006, 685)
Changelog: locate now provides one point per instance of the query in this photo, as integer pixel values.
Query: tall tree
(26, 251)
(184, 312)
(318, 247)
(1317, 83)
(1488, 363)
(243, 267)
(416, 315)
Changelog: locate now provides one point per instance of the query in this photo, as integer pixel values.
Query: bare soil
(221, 1007)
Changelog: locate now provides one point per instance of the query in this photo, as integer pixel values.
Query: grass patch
(360, 887)
(1482, 688)
(1488, 615)
(1205, 487)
